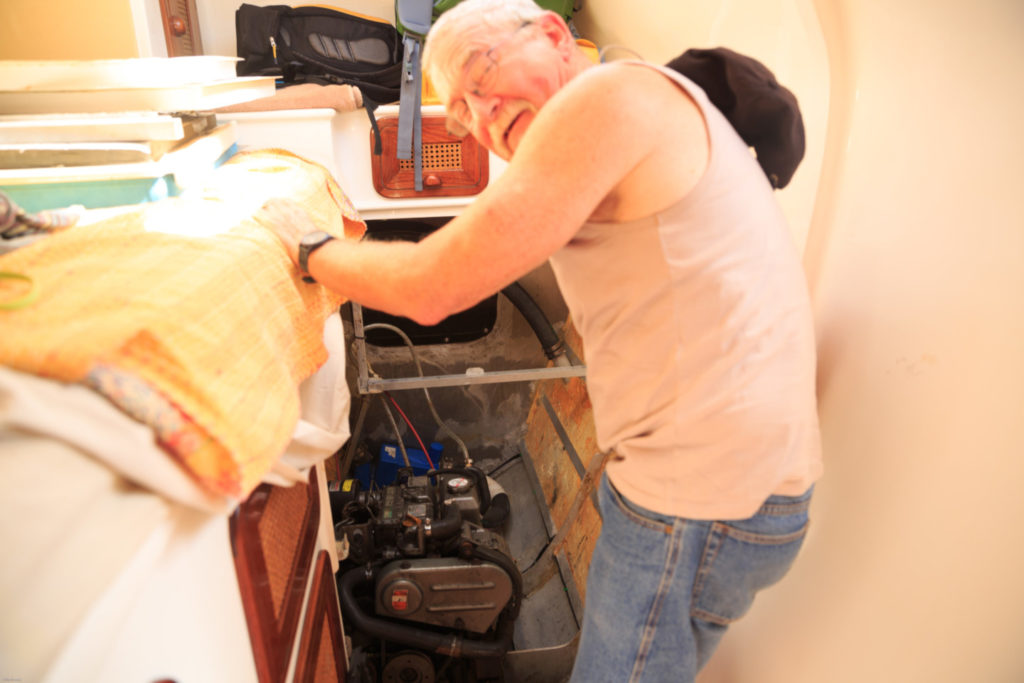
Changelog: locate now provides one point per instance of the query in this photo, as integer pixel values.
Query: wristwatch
(309, 243)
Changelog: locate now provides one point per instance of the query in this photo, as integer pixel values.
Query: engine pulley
(409, 667)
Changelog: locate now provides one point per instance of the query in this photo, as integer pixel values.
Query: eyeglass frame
(453, 124)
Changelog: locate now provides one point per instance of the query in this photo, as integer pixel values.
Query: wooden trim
(271, 631)
(323, 611)
(181, 27)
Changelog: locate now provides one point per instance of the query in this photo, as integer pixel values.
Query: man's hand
(289, 221)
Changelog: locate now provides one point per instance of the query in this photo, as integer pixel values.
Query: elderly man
(679, 272)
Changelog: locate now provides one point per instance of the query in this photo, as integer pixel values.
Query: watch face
(312, 238)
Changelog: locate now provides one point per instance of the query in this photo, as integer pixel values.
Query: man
(679, 272)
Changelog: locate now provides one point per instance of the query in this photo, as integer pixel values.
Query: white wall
(915, 255)
(149, 28)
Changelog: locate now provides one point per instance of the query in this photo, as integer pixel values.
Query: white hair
(468, 27)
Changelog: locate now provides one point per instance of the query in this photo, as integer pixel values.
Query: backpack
(319, 44)
(324, 46)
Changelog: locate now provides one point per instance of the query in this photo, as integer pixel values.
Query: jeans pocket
(738, 562)
(617, 509)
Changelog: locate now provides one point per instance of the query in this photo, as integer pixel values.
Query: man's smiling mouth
(508, 129)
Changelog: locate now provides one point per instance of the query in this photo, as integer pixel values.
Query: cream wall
(67, 29)
(783, 34)
(915, 256)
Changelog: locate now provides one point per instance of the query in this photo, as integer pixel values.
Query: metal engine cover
(444, 591)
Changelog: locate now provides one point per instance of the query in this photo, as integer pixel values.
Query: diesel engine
(427, 575)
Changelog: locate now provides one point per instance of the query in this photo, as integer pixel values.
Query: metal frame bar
(565, 573)
(570, 450)
(374, 385)
(538, 490)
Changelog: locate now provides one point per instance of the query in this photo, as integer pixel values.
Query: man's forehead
(471, 41)
(466, 56)
(452, 67)
(461, 45)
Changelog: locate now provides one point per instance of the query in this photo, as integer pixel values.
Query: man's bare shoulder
(629, 85)
(638, 108)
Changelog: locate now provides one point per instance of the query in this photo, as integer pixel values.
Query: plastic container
(389, 461)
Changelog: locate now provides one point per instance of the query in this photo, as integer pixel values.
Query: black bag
(320, 45)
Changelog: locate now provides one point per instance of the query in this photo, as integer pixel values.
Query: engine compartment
(427, 582)
(463, 567)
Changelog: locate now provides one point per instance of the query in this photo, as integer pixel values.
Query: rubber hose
(440, 643)
(497, 513)
(448, 525)
(549, 340)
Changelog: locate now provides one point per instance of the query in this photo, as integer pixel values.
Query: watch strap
(306, 248)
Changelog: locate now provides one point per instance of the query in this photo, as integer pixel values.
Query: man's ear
(557, 31)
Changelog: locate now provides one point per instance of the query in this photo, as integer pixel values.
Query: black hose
(447, 526)
(497, 513)
(445, 644)
(549, 340)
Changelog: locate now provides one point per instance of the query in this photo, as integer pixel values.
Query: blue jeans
(662, 590)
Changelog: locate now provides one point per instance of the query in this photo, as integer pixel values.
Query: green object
(26, 299)
(563, 7)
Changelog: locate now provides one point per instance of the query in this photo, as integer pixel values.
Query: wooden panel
(322, 650)
(181, 27)
(273, 534)
(558, 476)
(452, 167)
(579, 545)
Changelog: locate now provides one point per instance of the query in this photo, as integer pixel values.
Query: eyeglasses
(480, 77)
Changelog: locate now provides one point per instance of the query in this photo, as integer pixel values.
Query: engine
(426, 569)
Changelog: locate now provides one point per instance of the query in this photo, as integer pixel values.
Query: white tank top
(699, 342)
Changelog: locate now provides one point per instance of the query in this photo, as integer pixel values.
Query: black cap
(764, 113)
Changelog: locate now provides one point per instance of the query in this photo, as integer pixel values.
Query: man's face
(497, 92)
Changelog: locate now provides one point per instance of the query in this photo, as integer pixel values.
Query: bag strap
(415, 17)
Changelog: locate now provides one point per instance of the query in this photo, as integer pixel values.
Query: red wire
(412, 429)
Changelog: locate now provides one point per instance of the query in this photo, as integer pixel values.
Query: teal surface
(97, 194)
(92, 195)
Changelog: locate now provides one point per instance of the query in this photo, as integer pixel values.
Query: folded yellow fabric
(188, 315)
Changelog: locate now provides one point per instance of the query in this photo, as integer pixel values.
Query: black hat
(765, 114)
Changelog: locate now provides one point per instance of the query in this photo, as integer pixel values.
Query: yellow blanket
(188, 315)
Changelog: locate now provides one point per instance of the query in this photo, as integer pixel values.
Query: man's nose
(484, 107)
